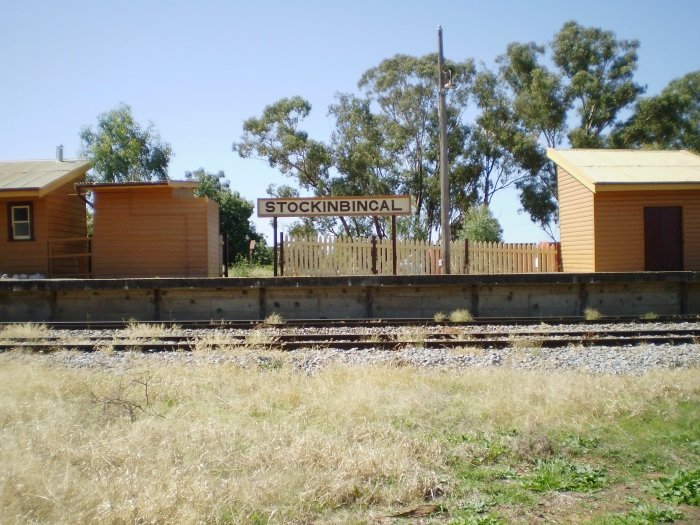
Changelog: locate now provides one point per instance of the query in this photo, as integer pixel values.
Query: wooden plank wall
(619, 231)
(59, 214)
(151, 232)
(576, 224)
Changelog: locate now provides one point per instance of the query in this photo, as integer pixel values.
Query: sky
(197, 70)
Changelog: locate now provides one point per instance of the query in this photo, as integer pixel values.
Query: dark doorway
(663, 238)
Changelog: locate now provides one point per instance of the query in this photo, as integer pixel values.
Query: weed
(440, 317)
(28, 331)
(461, 316)
(413, 335)
(641, 515)
(274, 319)
(649, 316)
(150, 331)
(522, 343)
(216, 341)
(128, 398)
(682, 487)
(591, 314)
(476, 519)
(260, 340)
(559, 474)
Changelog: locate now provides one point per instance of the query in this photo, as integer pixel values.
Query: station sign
(335, 206)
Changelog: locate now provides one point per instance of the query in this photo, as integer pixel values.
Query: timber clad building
(156, 229)
(628, 210)
(153, 229)
(38, 205)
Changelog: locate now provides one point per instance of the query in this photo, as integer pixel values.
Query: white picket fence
(327, 256)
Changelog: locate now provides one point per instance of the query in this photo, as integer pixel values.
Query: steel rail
(324, 323)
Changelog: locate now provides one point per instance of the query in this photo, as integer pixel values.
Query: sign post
(382, 205)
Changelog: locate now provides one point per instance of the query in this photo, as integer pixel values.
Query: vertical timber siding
(66, 212)
(619, 231)
(150, 232)
(26, 257)
(213, 248)
(58, 214)
(575, 224)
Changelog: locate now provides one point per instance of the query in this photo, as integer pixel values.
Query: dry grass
(136, 330)
(218, 444)
(591, 314)
(274, 319)
(461, 316)
(28, 331)
(415, 335)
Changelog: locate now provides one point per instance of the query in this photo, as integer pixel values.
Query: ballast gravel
(589, 359)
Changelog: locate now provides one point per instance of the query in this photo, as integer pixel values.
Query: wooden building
(628, 210)
(158, 229)
(38, 207)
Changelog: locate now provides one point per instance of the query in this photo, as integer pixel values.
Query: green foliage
(499, 124)
(121, 150)
(599, 69)
(670, 120)
(476, 519)
(480, 225)
(559, 474)
(682, 487)
(641, 515)
(234, 212)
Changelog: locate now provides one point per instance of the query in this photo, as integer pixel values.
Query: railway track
(324, 323)
(348, 336)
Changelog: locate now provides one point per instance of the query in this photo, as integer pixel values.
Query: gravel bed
(591, 359)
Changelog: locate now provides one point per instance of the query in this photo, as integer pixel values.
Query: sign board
(335, 206)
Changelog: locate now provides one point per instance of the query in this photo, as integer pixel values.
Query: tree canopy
(234, 212)
(121, 150)
(574, 91)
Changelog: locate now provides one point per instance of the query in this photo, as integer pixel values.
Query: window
(19, 221)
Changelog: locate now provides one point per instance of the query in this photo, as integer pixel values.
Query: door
(663, 238)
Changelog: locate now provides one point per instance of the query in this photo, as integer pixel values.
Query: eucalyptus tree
(121, 150)
(599, 70)
(540, 107)
(276, 137)
(402, 91)
(668, 120)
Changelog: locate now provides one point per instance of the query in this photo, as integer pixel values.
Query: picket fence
(328, 256)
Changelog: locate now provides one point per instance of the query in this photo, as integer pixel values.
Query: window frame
(11, 222)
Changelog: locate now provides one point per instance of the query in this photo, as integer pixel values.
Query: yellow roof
(630, 170)
(36, 178)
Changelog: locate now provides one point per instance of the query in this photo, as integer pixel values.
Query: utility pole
(443, 85)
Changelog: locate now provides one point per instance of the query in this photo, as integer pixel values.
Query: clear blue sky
(197, 70)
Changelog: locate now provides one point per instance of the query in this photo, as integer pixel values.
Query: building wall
(150, 232)
(619, 230)
(214, 250)
(575, 224)
(67, 214)
(28, 257)
(58, 215)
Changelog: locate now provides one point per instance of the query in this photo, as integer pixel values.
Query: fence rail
(342, 256)
(70, 257)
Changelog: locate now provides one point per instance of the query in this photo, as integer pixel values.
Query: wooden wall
(57, 215)
(619, 232)
(152, 232)
(575, 224)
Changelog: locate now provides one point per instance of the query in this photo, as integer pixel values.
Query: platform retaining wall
(526, 295)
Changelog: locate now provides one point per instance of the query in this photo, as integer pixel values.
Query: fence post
(274, 248)
(281, 253)
(393, 243)
(374, 254)
(557, 247)
(466, 256)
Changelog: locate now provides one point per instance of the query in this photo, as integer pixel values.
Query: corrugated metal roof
(38, 174)
(600, 167)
